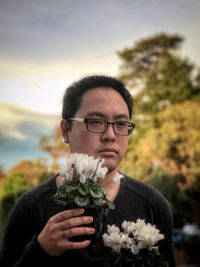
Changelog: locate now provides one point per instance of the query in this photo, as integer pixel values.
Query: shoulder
(144, 192)
(32, 196)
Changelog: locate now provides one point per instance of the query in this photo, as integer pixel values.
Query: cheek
(124, 145)
(82, 143)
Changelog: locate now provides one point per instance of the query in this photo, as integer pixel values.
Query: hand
(54, 238)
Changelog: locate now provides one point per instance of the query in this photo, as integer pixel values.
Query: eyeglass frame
(85, 120)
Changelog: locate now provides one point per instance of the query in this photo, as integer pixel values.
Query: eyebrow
(102, 115)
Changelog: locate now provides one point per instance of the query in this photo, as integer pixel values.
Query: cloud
(44, 95)
(21, 124)
(20, 132)
(66, 31)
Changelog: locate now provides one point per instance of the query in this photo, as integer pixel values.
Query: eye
(95, 122)
(121, 124)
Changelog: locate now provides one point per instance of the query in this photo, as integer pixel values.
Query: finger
(63, 215)
(78, 231)
(68, 245)
(75, 221)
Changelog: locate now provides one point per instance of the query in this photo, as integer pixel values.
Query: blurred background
(153, 46)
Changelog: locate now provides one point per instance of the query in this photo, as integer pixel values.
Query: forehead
(104, 100)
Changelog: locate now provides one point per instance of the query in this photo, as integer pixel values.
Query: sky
(46, 44)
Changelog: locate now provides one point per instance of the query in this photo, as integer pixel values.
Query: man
(38, 231)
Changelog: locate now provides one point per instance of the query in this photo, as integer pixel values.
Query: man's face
(107, 104)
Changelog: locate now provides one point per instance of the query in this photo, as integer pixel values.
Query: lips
(108, 150)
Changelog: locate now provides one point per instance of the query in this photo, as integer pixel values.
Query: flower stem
(96, 169)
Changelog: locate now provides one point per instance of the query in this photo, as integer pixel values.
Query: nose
(109, 133)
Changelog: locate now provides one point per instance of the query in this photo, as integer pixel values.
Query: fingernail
(91, 231)
(90, 219)
(81, 211)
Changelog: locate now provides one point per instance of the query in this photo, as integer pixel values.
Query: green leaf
(82, 201)
(96, 194)
(70, 188)
(83, 189)
(98, 201)
(111, 205)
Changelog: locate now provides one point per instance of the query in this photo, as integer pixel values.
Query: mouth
(108, 151)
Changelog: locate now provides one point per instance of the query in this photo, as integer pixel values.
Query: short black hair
(73, 94)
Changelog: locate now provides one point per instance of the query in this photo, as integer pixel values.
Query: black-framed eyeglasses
(96, 125)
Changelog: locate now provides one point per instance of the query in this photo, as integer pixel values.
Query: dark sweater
(34, 208)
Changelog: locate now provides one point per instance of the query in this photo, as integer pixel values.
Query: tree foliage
(165, 149)
(30, 169)
(54, 145)
(157, 74)
(146, 55)
(15, 185)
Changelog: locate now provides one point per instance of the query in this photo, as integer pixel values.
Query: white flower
(146, 235)
(83, 167)
(117, 177)
(136, 236)
(149, 236)
(113, 229)
(101, 172)
(79, 183)
(135, 248)
(66, 172)
(82, 178)
(115, 239)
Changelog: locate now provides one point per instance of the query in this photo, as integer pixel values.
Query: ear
(64, 125)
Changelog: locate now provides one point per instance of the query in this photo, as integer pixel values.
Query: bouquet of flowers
(135, 246)
(79, 185)
(80, 188)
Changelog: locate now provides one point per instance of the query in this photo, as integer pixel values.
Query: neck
(108, 179)
(109, 186)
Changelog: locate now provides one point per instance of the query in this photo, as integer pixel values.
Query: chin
(110, 164)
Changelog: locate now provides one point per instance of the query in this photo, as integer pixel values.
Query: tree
(30, 169)
(53, 144)
(2, 172)
(15, 185)
(165, 149)
(157, 75)
(170, 148)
